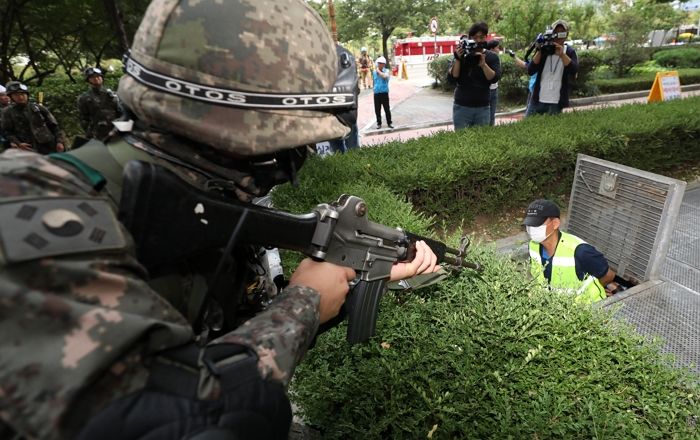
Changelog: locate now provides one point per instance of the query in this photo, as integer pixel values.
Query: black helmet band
(340, 98)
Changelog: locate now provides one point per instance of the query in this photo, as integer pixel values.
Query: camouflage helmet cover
(16, 87)
(90, 71)
(253, 46)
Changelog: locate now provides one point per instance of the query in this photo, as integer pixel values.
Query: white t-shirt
(550, 84)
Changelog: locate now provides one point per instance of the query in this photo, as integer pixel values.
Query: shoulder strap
(96, 156)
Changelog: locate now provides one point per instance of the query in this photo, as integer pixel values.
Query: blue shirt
(381, 85)
(588, 260)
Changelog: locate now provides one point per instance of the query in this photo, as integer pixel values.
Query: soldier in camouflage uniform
(28, 125)
(4, 103)
(94, 349)
(98, 107)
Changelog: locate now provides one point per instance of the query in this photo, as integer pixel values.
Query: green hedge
(437, 70)
(681, 58)
(61, 96)
(491, 356)
(485, 170)
(642, 82)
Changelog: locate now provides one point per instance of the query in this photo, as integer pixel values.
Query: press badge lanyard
(552, 71)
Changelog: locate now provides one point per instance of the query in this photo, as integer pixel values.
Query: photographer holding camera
(474, 69)
(555, 65)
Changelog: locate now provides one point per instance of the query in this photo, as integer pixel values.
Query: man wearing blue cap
(563, 261)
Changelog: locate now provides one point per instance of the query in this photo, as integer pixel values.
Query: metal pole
(331, 15)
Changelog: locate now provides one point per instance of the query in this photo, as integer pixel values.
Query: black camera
(547, 41)
(471, 49)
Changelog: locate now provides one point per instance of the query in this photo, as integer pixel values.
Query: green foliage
(493, 356)
(642, 82)
(521, 20)
(689, 57)
(588, 61)
(512, 86)
(60, 35)
(437, 69)
(630, 32)
(61, 96)
(484, 170)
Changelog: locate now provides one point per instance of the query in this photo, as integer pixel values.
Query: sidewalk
(418, 110)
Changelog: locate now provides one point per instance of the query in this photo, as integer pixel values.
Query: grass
(492, 356)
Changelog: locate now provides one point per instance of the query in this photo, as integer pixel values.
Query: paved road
(419, 110)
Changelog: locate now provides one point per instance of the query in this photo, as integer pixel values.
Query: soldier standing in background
(4, 99)
(365, 63)
(94, 348)
(4, 103)
(98, 107)
(28, 125)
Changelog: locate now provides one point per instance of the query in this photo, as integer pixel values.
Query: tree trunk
(116, 18)
(386, 33)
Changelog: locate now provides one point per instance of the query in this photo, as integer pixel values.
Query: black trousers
(382, 100)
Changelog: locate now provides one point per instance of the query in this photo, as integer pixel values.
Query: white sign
(434, 25)
(671, 87)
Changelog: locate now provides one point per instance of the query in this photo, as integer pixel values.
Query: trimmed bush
(485, 170)
(437, 69)
(61, 97)
(588, 61)
(492, 356)
(678, 58)
(642, 82)
(513, 83)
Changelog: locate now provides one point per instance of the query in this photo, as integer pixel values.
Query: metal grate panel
(627, 214)
(687, 252)
(683, 274)
(671, 312)
(689, 217)
(692, 198)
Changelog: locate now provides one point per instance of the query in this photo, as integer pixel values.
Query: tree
(584, 21)
(522, 20)
(358, 18)
(629, 32)
(67, 34)
(459, 15)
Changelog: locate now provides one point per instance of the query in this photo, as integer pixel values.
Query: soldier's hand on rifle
(425, 261)
(329, 280)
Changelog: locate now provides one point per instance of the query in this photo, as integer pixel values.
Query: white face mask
(538, 234)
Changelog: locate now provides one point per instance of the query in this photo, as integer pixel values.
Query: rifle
(170, 220)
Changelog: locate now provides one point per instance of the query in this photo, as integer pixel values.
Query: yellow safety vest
(564, 279)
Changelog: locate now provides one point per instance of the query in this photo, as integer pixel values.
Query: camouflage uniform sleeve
(281, 334)
(52, 123)
(69, 319)
(84, 115)
(8, 126)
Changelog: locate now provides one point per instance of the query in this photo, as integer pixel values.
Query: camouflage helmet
(246, 77)
(16, 87)
(90, 71)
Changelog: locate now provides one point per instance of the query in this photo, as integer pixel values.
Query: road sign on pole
(434, 29)
(434, 25)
